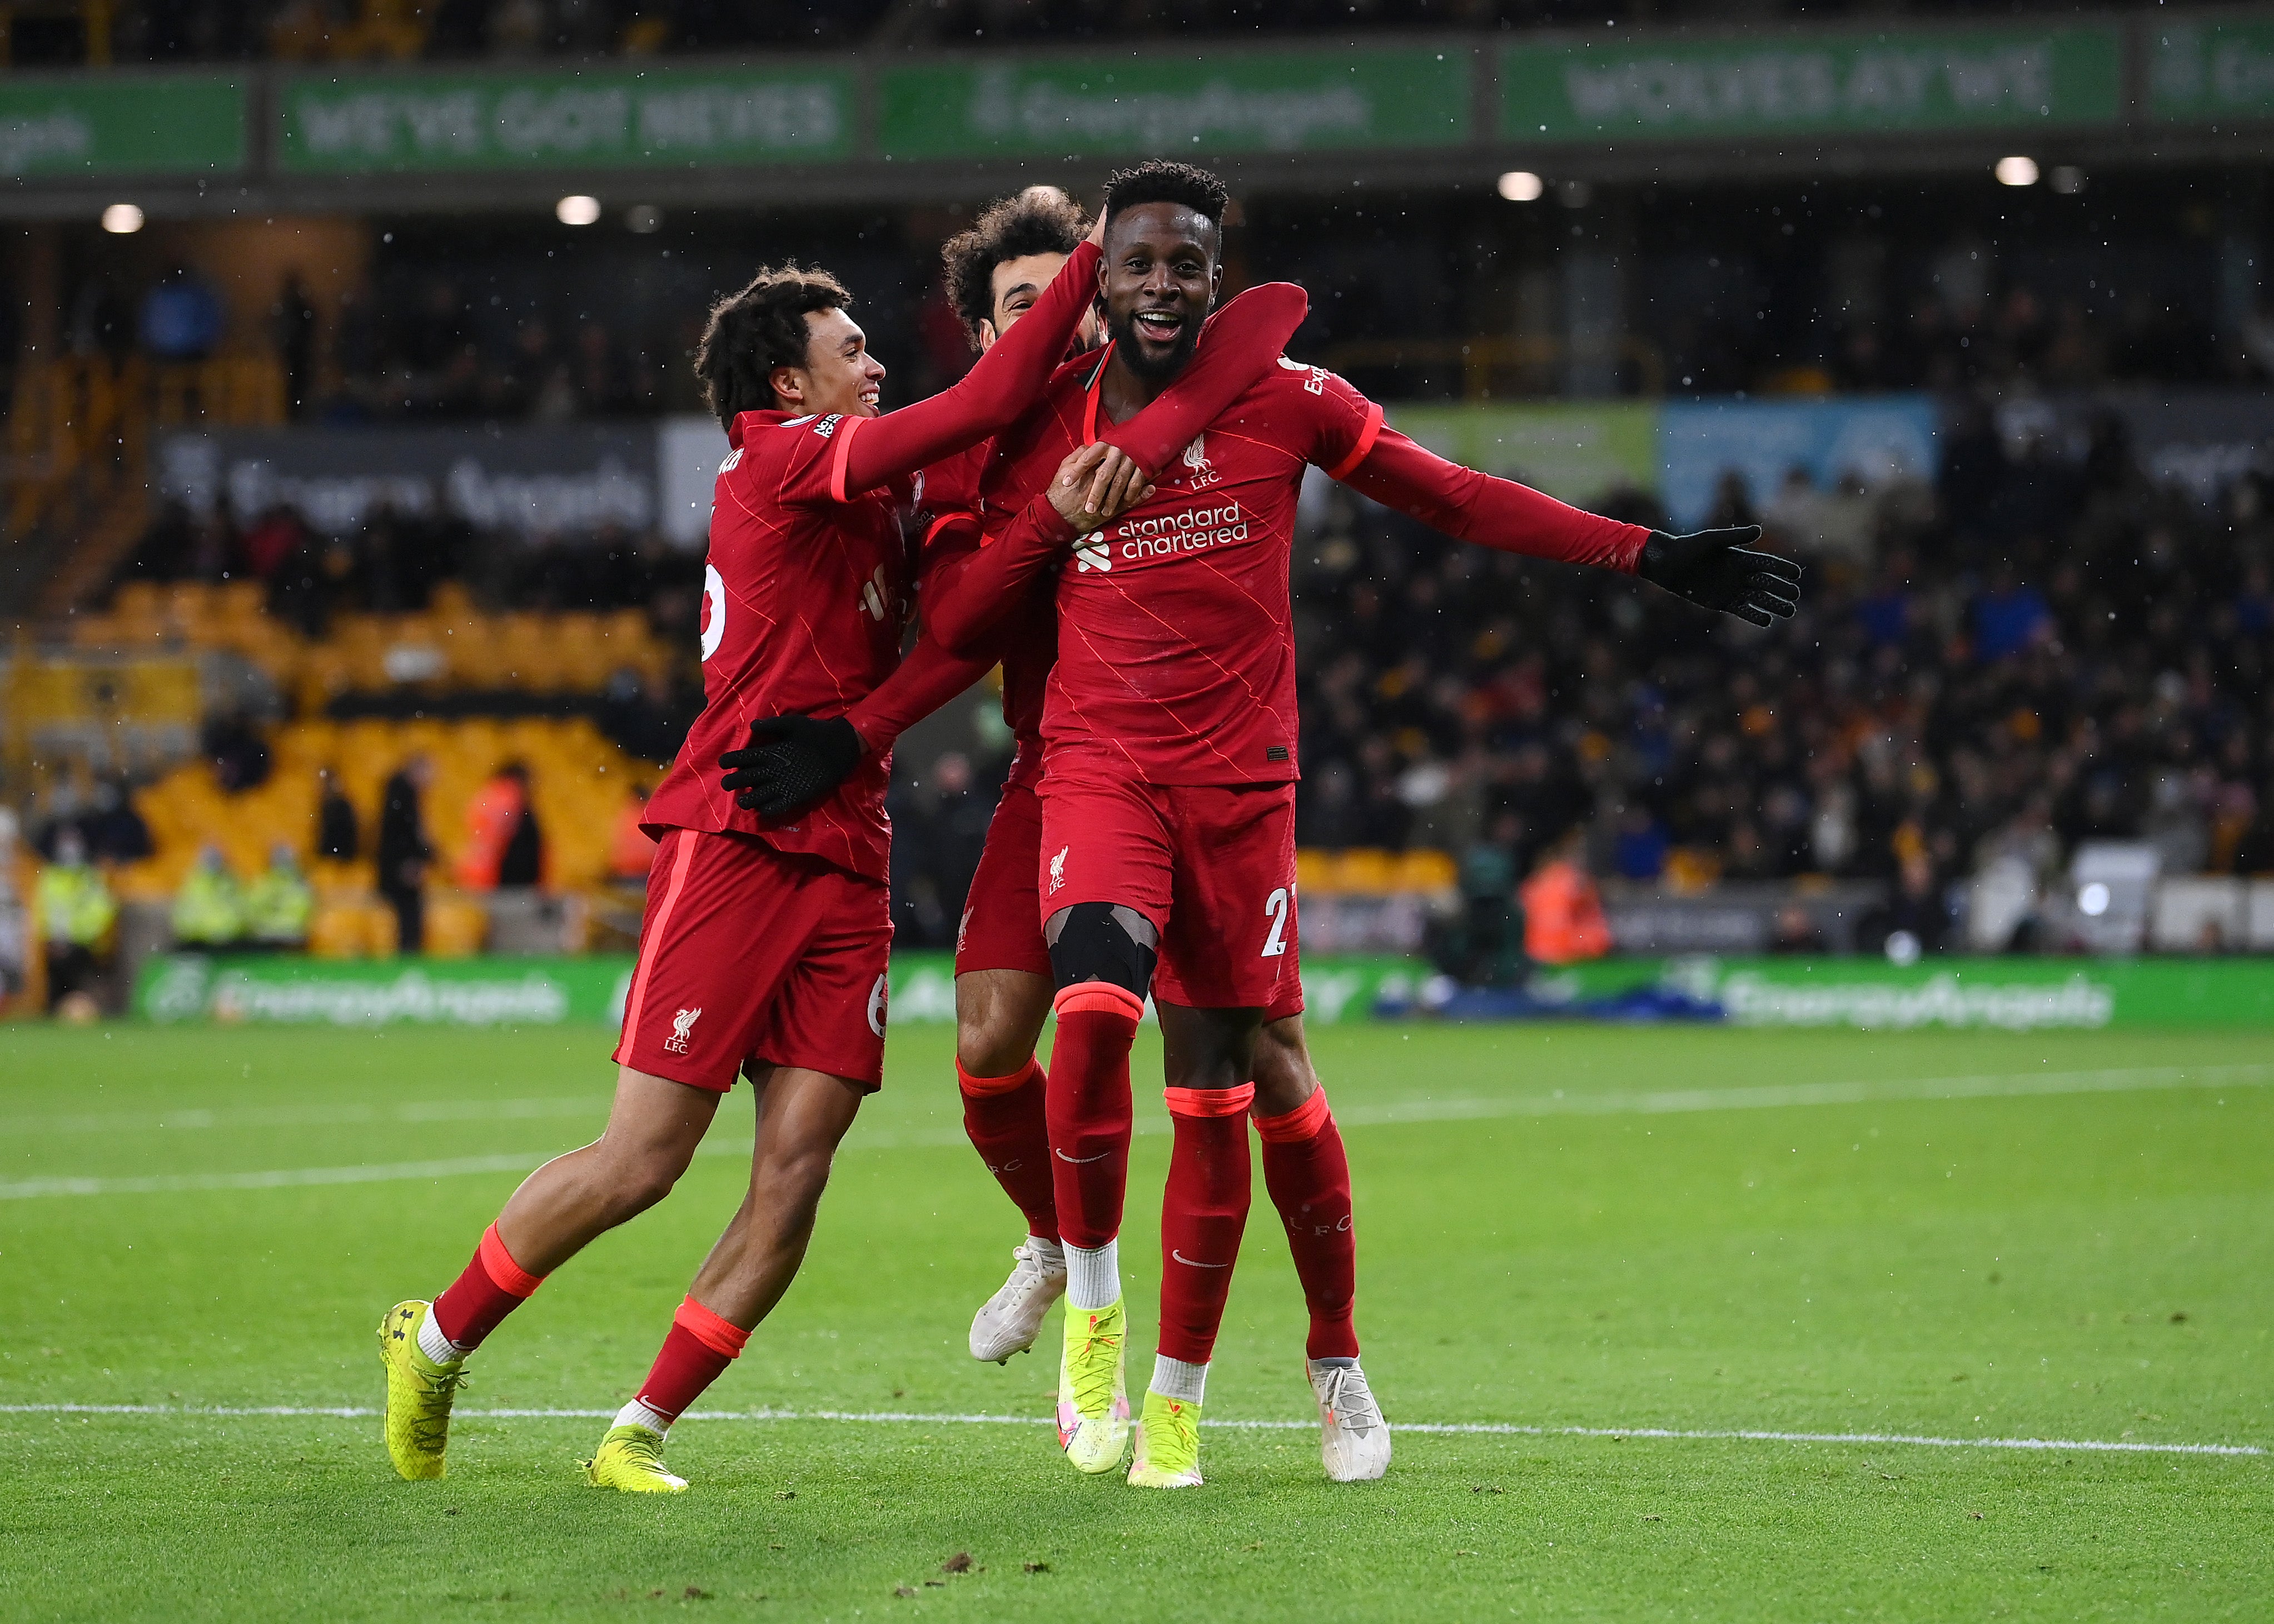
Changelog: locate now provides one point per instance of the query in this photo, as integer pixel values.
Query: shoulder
(1297, 398)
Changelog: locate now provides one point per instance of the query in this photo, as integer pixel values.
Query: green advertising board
(552, 992)
(122, 124)
(1198, 106)
(2203, 71)
(2012, 995)
(1818, 85)
(609, 117)
(1575, 452)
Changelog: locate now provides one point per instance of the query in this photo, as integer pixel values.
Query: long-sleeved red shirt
(1238, 345)
(1176, 644)
(807, 585)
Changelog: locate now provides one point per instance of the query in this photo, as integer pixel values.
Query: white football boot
(1009, 1322)
(1354, 1438)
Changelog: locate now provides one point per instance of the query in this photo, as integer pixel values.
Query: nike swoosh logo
(1081, 1160)
(1195, 1262)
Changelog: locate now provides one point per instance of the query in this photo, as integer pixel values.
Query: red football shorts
(748, 955)
(1001, 929)
(1212, 866)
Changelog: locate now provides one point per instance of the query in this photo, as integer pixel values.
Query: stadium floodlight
(577, 210)
(122, 219)
(2016, 171)
(2092, 899)
(1521, 186)
(644, 218)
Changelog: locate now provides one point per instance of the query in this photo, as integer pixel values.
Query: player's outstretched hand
(792, 763)
(1097, 483)
(1719, 569)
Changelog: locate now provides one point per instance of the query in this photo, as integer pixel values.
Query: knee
(1103, 941)
(632, 1181)
(991, 1042)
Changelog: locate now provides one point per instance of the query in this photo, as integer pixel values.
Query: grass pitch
(2050, 1237)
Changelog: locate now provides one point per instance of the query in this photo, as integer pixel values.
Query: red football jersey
(806, 590)
(1175, 644)
(804, 598)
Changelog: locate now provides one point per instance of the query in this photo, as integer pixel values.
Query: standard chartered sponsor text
(1190, 530)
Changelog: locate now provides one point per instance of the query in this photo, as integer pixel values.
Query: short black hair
(752, 332)
(1158, 180)
(1039, 219)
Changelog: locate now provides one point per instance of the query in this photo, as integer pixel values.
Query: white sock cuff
(1093, 1275)
(637, 1414)
(1175, 1379)
(436, 1346)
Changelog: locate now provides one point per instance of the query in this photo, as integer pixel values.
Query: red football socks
(493, 1286)
(1090, 1111)
(1202, 1214)
(700, 1346)
(1308, 1177)
(1006, 1118)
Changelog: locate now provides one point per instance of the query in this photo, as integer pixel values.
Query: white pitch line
(909, 1417)
(2017, 1085)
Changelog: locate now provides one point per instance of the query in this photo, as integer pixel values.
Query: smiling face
(1017, 284)
(839, 375)
(1159, 278)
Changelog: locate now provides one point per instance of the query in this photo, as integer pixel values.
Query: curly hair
(752, 332)
(1160, 181)
(1039, 219)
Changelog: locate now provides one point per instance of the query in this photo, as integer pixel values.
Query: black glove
(792, 763)
(1719, 570)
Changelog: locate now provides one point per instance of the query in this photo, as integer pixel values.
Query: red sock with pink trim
(699, 1347)
(492, 1287)
(1008, 1120)
(1090, 1111)
(1204, 1213)
(1306, 1174)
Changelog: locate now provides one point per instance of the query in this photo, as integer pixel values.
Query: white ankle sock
(637, 1413)
(1047, 1251)
(1175, 1379)
(1093, 1275)
(436, 1346)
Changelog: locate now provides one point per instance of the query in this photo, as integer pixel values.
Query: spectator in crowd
(631, 849)
(209, 908)
(239, 755)
(280, 904)
(1915, 920)
(338, 834)
(77, 912)
(15, 917)
(1562, 911)
(114, 831)
(404, 853)
(505, 849)
(181, 317)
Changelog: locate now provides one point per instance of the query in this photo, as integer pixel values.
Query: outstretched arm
(991, 396)
(1493, 513)
(1240, 342)
(1714, 569)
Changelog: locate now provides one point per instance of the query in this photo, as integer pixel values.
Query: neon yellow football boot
(1093, 1400)
(1168, 1445)
(419, 1394)
(631, 1458)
